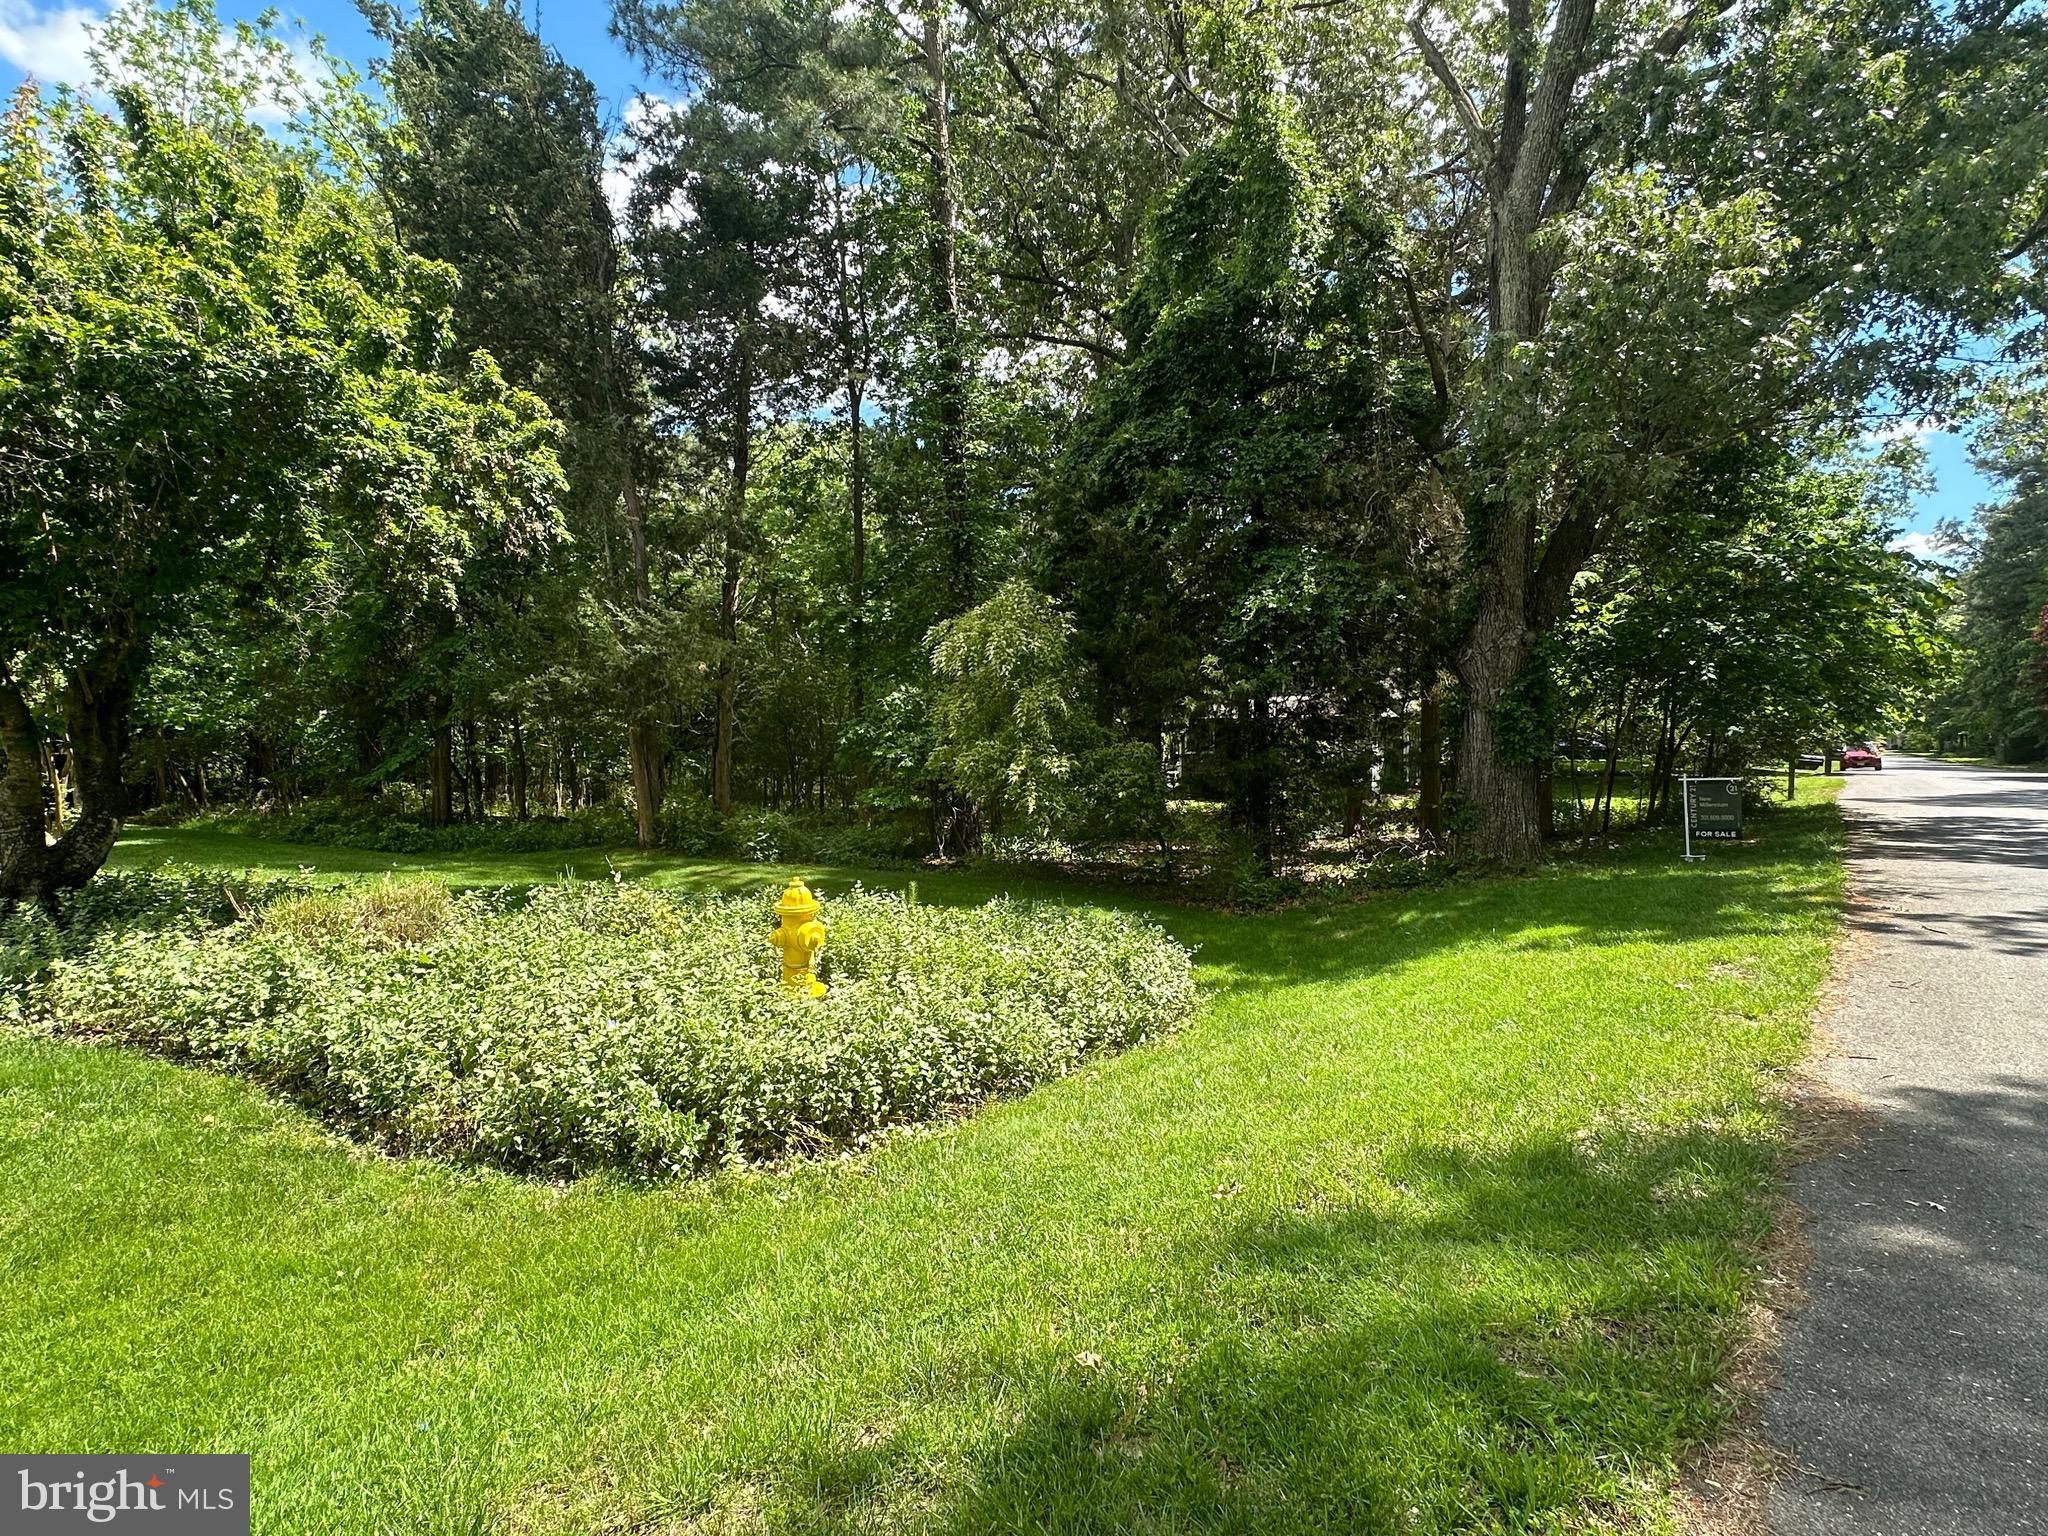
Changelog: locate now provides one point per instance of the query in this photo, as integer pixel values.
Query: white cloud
(1924, 546)
(279, 103)
(1912, 430)
(644, 111)
(48, 43)
(618, 185)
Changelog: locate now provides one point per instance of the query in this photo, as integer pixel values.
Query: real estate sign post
(1713, 812)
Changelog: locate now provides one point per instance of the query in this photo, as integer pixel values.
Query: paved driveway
(1914, 1394)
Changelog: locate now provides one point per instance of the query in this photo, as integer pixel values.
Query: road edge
(1725, 1487)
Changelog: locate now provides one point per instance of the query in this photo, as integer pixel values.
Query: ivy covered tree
(1236, 507)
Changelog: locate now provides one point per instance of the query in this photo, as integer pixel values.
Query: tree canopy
(217, 375)
(930, 416)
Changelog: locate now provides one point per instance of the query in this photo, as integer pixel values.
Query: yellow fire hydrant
(799, 939)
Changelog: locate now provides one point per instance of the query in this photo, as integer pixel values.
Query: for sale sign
(1714, 809)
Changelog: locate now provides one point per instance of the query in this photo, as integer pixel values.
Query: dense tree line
(986, 417)
(1995, 702)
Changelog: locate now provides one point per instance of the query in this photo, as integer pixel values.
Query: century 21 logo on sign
(185, 1496)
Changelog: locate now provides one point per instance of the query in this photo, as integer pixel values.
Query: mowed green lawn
(1439, 1218)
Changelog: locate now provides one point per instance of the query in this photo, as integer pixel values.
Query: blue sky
(47, 38)
(1958, 488)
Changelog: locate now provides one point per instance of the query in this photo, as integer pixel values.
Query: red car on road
(1861, 757)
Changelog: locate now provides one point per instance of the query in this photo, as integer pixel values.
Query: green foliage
(1117, 791)
(1998, 704)
(598, 1025)
(217, 371)
(1757, 614)
(493, 160)
(1300, 377)
(1526, 718)
(1003, 705)
(291, 395)
(1228, 526)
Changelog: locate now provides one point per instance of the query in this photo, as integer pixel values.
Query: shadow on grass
(1472, 1338)
(1505, 1341)
(1642, 893)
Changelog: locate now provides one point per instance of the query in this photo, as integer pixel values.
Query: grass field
(1439, 1218)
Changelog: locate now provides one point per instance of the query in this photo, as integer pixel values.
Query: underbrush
(588, 1026)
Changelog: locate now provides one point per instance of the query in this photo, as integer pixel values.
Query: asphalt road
(1913, 1396)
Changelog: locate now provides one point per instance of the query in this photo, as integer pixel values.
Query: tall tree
(493, 162)
(1634, 163)
(727, 227)
(1232, 536)
(157, 444)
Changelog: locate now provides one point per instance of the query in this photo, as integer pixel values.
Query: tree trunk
(1621, 712)
(723, 728)
(1607, 783)
(1429, 787)
(96, 700)
(440, 771)
(24, 837)
(1392, 755)
(260, 766)
(1665, 763)
(950, 394)
(519, 807)
(1257, 798)
(643, 732)
(729, 586)
(54, 772)
(857, 494)
(1499, 783)
(494, 772)
(644, 754)
(1501, 799)
(1520, 589)
(1648, 803)
(472, 782)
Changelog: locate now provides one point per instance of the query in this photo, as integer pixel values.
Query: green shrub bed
(589, 1026)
